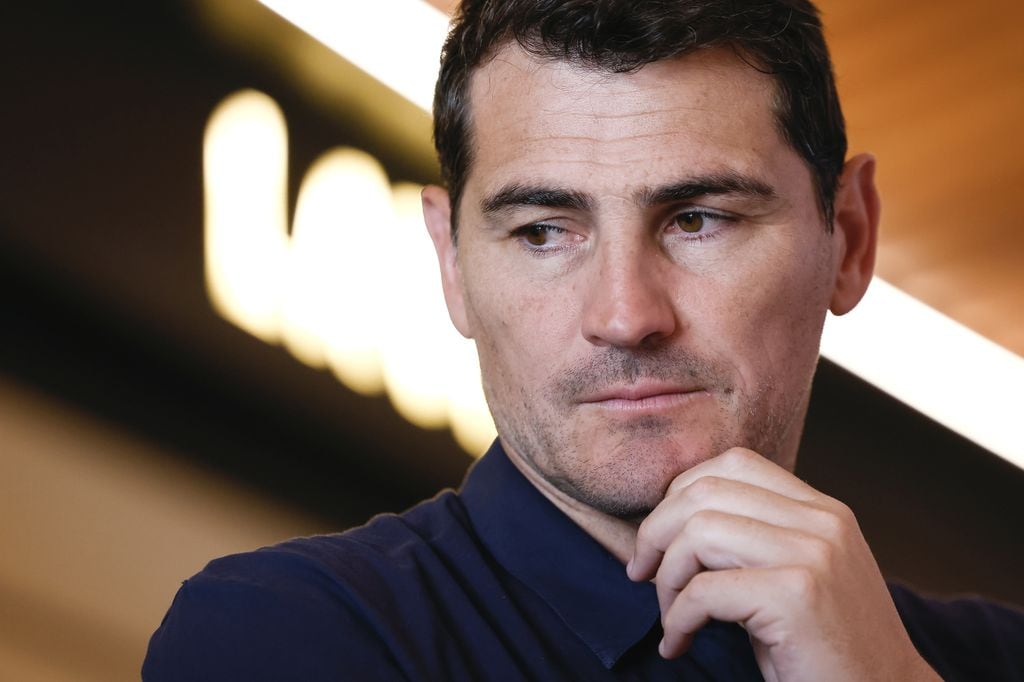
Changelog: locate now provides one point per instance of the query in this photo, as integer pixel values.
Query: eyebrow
(725, 183)
(516, 195)
(714, 184)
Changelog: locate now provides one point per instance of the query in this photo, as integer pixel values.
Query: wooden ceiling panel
(935, 91)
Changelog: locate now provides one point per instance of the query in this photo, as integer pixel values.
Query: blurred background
(153, 415)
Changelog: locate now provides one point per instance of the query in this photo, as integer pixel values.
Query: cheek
(518, 332)
(770, 319)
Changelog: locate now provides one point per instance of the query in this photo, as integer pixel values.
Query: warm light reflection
(378, 37)
(414, 346)
(355, 288)
(245, 161)
(467, 409)
(331, 315)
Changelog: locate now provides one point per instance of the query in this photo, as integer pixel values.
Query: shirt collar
(551, 555)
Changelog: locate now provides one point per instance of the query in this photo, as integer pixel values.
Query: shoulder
(306, 609)
(966, 638)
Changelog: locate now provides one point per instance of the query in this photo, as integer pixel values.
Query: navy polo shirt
(490, 583)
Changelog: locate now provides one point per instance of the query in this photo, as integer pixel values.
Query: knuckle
(678, 483)
(644, 533)
(845, 515)
(738, 459)
(821, 553)
(736, 456)
(830, 523)
(698, 587)
(838, 521)
(669, 567)
(801, 583)
(704, 488)
(701, 523)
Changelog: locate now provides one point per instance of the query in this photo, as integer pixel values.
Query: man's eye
(691, 222)
(537, 235)
(540, 235)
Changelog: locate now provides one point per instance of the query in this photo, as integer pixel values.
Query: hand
(738, 538)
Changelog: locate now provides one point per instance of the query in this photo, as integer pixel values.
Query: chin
(633, 480)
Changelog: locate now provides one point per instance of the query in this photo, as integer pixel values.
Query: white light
(355, 288)
(470, 418)
(934, 364)
(245, 161)
(414, 341)
(398, 42)
(331, 307)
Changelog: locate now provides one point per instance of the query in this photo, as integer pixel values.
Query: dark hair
(781, 38)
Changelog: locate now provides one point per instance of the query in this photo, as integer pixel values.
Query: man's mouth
(645, 396)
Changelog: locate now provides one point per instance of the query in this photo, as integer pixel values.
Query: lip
(642, 396)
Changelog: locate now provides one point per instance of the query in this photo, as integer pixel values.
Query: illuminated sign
(354, 287)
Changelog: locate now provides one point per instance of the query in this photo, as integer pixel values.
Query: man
(648, 214)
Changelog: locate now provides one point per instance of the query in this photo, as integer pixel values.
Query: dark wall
(101, 257)
(939, 511)
(103, 111)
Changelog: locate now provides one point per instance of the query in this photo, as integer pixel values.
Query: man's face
(643, 266)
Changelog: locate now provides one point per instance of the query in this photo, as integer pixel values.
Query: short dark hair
(782, 38)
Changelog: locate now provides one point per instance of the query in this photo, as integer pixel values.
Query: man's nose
(628, 301)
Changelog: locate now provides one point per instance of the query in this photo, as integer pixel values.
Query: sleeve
(970, 639)
(265, 618)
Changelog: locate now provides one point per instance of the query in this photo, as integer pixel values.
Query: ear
(437, 213)
(855, 231)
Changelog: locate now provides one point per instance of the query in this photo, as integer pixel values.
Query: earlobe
(437, 215)
(855, 226)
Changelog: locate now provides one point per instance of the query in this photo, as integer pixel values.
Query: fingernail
(661, 648)
(629, 567)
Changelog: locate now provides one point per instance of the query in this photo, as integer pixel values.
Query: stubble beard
(646, 452)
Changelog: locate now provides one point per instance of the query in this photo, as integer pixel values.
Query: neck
(614, 534)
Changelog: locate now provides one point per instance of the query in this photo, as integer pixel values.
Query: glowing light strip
(398, 42)
(901, 345)
(934, 364)
(329, 293)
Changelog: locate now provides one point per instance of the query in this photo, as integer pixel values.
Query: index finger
(737, 464)
(747, 466)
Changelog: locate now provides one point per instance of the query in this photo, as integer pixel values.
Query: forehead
(707, 111)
